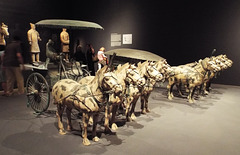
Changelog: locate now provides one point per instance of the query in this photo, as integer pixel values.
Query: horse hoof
(143, 111)
(86, 142)
(114, 127)
(133, 117)
(191, 101)
(62, 132)
(206, 93)
(96, 139)
(69, 128)
(129, 119)
(147, 110)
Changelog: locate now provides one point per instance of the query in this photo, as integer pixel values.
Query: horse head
(148, 69)
(164, 68)
(209, 65)
(4, 30)
(107, 81)
(133, 76)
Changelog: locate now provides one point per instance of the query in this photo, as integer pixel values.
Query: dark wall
(180, 31)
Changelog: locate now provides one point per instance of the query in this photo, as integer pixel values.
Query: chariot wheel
(38, 92)
(83, 73)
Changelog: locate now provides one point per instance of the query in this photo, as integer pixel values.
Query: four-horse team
(111, 89)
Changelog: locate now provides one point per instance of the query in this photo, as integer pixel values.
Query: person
(102, 58)
(91, 58)
(12, 58)
(3, 33)
(79, 55)
(2, 75)
(64, 37)
(33, 38)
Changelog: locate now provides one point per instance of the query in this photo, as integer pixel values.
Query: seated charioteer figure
(51, 53)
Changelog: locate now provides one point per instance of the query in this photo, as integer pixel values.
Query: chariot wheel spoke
(38, 92)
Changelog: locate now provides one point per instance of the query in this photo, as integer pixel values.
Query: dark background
(180, 31)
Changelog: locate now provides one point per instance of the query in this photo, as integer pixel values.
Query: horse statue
(151, 74)
(128, 77)
(70, 94)
(190, 76)
(223, 63)
(3, 34)
(164, 68)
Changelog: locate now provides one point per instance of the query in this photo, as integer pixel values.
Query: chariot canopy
(68, 24)
(134, 54)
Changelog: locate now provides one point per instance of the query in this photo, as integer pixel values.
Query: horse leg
(94, 132)
(60, 110)
(146, 102)
(90, 120)
(114, 111)
(106, 122)
(132, 115)
(190, 97)
(170, 87)
(142, 97)
(205, 88)
(129, 101)
(179, 89)
(84, 132)
(69, 120)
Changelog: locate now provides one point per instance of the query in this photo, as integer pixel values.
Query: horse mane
(121, 71)
(141, 67)
(98, 75)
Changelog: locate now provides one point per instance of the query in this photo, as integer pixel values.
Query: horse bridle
(114, 86)
(130, 79)
(149, 75)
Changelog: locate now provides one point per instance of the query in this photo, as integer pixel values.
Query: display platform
(210, 126)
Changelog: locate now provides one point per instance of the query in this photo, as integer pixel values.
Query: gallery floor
(211, 126)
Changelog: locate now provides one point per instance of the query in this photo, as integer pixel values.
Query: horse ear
(107, 69)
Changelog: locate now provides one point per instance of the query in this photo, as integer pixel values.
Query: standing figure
(102, 58)
(64, 37)
(12, 58)
(33, 38)
(79, 55)
(91, 59)
(3, 33)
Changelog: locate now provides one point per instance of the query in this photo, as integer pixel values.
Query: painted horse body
(189, 76)
(70, 94)
(151, 75)
(128, 77)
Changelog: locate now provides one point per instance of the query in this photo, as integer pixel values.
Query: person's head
(50, 42)
(102, 49)
(32, 26)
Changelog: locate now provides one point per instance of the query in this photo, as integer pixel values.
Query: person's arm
(20, 60)
(39, 37)
(29, 34)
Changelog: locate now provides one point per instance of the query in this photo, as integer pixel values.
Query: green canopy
(134, 54)
(68, 24)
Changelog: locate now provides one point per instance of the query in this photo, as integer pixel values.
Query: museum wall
(180, 31)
